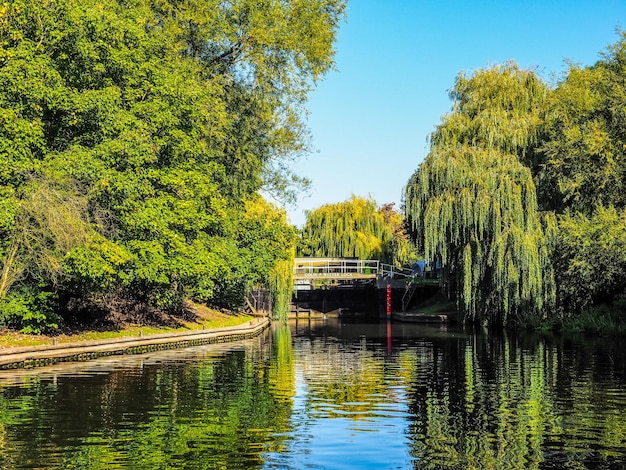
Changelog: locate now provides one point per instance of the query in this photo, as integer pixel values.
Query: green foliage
(29, 309)
(149, 128)
(267, 244)
(400, 251)
(581, 174)
(583, 158)
(262, 240)
(97, 266)
(496, 108)
(281, 287)
(472, 203)
(602, 319)
(356, 228)
(591, 258)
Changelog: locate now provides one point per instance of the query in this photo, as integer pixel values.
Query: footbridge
(344, 269)
(311, 274)
(334, 269)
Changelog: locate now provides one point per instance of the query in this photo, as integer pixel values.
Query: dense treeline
(135, 138)
(522, 196)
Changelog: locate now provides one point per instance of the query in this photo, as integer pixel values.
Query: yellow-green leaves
(472, 203)
(281, 286)
(591, 258)
(347, 229)
(163, 119)
(584, 154)
(356, 228)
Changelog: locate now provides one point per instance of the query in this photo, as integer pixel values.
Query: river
(328, 395)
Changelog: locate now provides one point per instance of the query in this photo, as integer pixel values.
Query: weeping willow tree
(472, 203)
(355, 228)
(281, 286)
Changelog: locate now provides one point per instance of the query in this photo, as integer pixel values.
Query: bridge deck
(335, 268)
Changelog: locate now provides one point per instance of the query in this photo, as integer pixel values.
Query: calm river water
(328, 395)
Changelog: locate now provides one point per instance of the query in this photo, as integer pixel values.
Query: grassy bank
(202, 318)
(438, 308)
(601, 320)
(437, 304)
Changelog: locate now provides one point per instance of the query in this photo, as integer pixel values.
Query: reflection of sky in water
(336, 397)
(344, 435)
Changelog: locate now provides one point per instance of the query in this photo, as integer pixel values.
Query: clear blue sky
(396, 61)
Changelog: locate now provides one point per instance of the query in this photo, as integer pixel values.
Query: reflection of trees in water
(490, 402)
(343, 381)
(282, 371)
(222, 411)
(483, 401)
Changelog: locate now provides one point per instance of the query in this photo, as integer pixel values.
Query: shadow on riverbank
(196, 317)
(81, 350)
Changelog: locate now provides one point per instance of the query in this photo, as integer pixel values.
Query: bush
(29, 311)
(591, 259)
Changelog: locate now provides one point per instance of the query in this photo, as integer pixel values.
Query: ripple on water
(331, 398)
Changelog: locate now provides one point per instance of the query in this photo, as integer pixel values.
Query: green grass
(437, 308)
(436, 304)
(206, 320)
(598, 320)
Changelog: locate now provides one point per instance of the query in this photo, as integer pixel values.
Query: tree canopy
(583, 155)
(356, 228)
(521, 194)
(151, 127)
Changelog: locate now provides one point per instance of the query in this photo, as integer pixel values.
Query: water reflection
(211, 407)
(472, 399)
(327, 394)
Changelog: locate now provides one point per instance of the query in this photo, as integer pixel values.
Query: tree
(164, 119)
(583, 158)
(472, 202)
(401, 250)
(582, 176)
(356, 228)
(591, 259)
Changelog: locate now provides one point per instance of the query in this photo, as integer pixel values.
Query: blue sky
(396, 60)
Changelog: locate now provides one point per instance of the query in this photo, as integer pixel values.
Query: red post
(388, 300)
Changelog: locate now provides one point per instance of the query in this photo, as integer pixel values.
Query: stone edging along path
(26, 357)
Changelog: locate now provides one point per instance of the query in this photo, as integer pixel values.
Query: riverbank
(601, 320)
(436, 309)
(209, 326)
(198, 317)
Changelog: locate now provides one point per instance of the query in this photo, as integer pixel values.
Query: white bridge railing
(389, 270)
(335, 268)
(308, 271)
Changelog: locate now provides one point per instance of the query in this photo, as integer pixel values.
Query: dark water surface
(328, 395)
